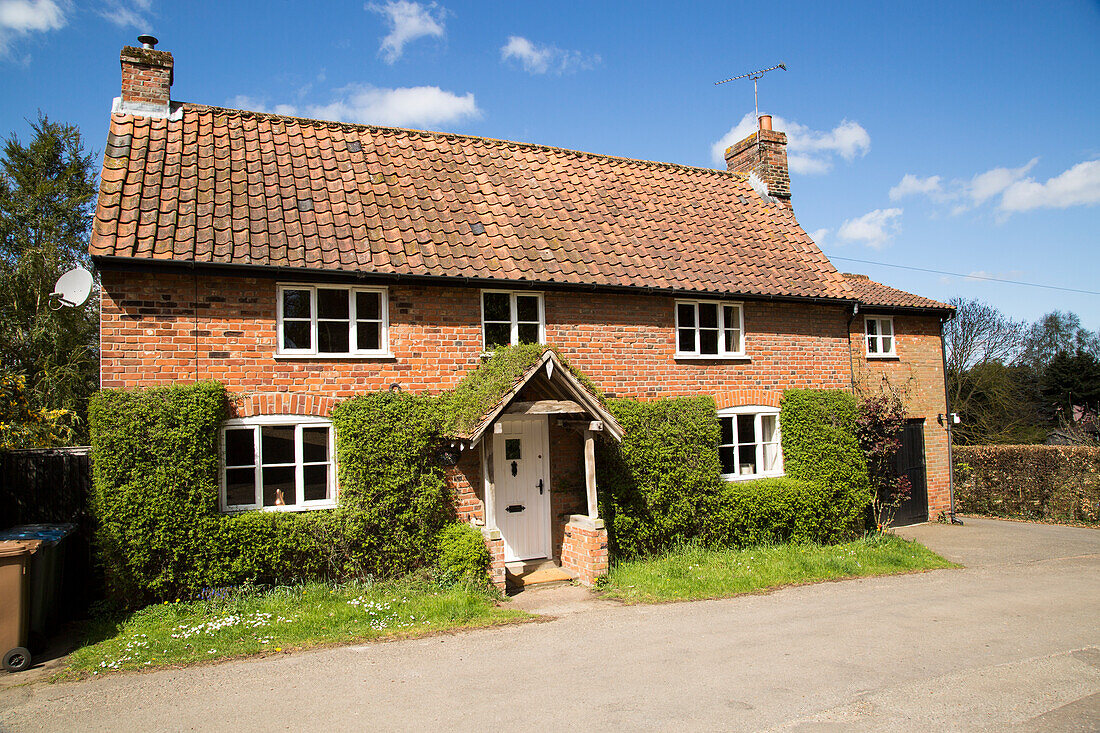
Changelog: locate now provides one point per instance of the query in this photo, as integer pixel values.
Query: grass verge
(696, 573)
(240, 623)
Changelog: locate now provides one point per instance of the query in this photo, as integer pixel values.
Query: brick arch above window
(740, 397)
(280, 403)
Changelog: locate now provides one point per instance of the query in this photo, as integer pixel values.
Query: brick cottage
(301, 262)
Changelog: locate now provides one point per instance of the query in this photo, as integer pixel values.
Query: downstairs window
(749, 446)
(277, 463)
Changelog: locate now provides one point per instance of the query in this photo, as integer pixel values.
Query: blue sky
(962, 137)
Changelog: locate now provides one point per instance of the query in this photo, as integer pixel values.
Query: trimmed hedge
(462, 557)
(1043, 482)
(155, 476)
(773, 510)
(820, 446)
(658, 485)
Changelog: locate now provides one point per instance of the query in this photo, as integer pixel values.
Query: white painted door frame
(526, 532)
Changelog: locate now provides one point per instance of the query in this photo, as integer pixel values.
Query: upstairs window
(277, 464)
(707, 328)
(322, 320)
(879, 335)
(750, 446)
(509, 318)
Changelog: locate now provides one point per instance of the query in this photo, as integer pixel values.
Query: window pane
(314, 445)
(708, 341)
(730, 319)
(497, 334)
(746, 428)
(771, 457)
(332, 304)
(733, 341)
(296, 304)
(278, 480)
(368, 306)
(767, 428)
(296, 335)
(240, 486)
(239, 447)
(497, 307)
(687, 340)
(512, 449)
(872, 327)
(872, 345)
(726, 424)
(886, 326)
(332, 337)
(729, 463)
(528, 333)
(746, 455)
(708, 315)
(316, 483)
(369, 335)
(685, 312)
(887, 344)
(276, 444)
(527, 308)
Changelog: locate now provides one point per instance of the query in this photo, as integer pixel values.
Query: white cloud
(911, 185)
(818, 235)
(21, 17)
(874, 228)
(365, 104)
(408, 21)
(809, 152)
(1078, 186)
(128, 13)
(539, 58)
(985, 186)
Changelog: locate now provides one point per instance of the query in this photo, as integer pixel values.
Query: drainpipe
(948, 421)
(851, 358)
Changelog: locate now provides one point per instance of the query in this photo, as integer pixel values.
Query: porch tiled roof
(872, 293)
(230, 187)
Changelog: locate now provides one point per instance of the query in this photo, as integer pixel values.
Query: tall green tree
(1055, 333)
(47, 191)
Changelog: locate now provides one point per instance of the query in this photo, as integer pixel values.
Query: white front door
(522, 482)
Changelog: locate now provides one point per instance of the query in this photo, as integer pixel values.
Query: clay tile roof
(230, 187)
(875, 294)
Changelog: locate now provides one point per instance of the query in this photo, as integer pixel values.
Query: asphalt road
(1010, 643)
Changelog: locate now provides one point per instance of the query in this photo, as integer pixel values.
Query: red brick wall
(918, 373)
(146, 75)
(163, 328)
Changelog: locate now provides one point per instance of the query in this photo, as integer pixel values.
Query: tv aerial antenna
(72, 289)
(755, 76)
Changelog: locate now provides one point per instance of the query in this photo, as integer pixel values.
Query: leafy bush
(462, 557)
(155, 476)
(772, 510)
(658, 485)
(820, 447)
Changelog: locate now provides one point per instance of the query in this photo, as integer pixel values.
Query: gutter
(947, 421)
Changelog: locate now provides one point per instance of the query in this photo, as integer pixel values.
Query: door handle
(540, 486)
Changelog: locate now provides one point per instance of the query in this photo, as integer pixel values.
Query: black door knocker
(514, 469)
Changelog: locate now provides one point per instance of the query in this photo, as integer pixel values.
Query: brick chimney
(146, 79)
(765, 153)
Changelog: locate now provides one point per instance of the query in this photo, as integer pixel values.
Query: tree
(46, 196)
(1057, 332)
(1073, 380)
(997, 400)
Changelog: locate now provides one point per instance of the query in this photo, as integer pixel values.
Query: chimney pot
(765, 122)
(147, 41)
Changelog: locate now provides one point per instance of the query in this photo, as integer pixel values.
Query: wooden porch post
(590, 473)
(490, 486)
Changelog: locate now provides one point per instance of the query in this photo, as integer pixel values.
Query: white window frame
(758, 411)
(299, 422)
(353, 335)
(878, 336)
(723, 352)
(513, 314)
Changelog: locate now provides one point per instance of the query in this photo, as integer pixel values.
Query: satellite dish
(73, 288)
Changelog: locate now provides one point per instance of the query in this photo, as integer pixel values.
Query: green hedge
(658, 485)
(160, 534)
(820, 446)
(773, 510)
(462, 557)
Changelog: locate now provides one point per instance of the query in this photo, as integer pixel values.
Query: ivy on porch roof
(490, 390)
